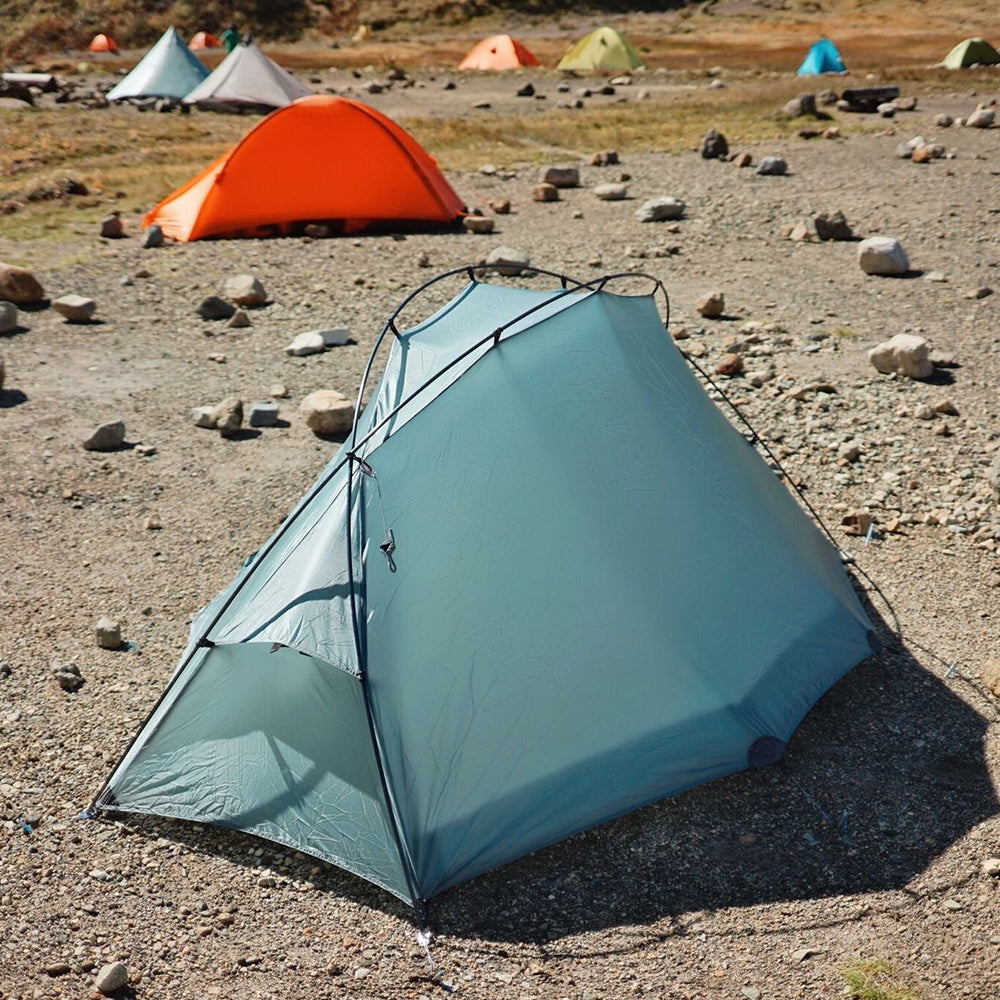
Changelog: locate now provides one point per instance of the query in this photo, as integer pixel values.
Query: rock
(528, 90)
(944, 120)
(882, 255)
(772, 166)
(991, 867)
(245, 290)
(660, 210)
(714, 145)
(905, 103)
(832, 226)
(946, 406)
(991, 677)
(904, 151)
(239, 320)
(935, 276)
(611, 192)
(923, 412)
(108, 634)
(75, 308)
(67, 675)
(204, 416)
(980, 118)
(317, 231)
(111, 227)
(850, 451)
(423, 259)
(215, 308)
(111, 977)
(827, 97)
(310, 342)
(887, 110)
(605, 158)
(560, 176)
(152, 523)
(942, 430)
(803, 953)
(904, 354)
(804, 104)
(153, 237)
(743, 160)
(712, 306)
(56, 969)
(983, 292)
(507, 260)
(263, 414)
(107, 437)
(279, 391)
(227, 416)
(730, 364)
(327, 412)
(8, 317)
(801, 232)
(544, 192)
(857, 523)
(335, 337)
(922, 154)
(993, 476)
(479, 224)
(3, 371)
(500, 205)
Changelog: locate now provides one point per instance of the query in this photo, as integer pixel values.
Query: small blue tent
(168, 69)
(543, 583)
(823, 57)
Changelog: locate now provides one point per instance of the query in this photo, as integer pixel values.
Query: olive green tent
(971, 52)
(602, 50)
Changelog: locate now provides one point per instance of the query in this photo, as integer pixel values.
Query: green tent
(168, 69)
(544, 582)
(971, 52)
(603, 50)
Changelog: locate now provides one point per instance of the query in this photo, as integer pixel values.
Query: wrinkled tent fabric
(247, 78)
(168, 69)
(204, 40)
(102, 43)
(599, 595)
(971, 52)
(339, 161)
(823, 57)
(603, 50)
(499, 53)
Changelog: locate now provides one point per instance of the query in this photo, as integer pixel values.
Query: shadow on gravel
(884, 773)
(11, 397)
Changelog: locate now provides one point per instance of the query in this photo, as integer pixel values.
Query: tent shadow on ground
(10, 398)
(890, 745)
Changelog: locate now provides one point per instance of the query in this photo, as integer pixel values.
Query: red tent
(204, 40)
(102, 43)
(497, 53)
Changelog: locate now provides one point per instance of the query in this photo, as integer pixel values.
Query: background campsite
(866, 864)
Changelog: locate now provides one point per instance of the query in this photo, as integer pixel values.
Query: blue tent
(544, 582)
(823, 57)
(168, 69)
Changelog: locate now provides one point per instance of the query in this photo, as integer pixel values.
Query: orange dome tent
(321, 159)
(204, 40)
(499, 52)
(102, 43)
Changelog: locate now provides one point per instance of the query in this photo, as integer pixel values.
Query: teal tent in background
(168, 69)
(543, 583)
(823, 57)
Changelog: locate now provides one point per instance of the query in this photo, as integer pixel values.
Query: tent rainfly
(247, 78)
(339, 161)
(168, 69)
(102, 43)
(498, 53)
(823, 57)
(604, 50)
(204, 40)
(971, 52)
(520, 601)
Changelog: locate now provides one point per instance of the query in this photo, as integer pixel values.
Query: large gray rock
(227, 416)
(310, 342)
(327, 412)
(480, 224)
(108, 634)
(904, 354)
(19, 285)
(107, 437)
(560, 176)
(8, 317)
(804, 104)
(611, 192)
(832, 226)
(111, 227)
(508, 260)
(714, 145)
(153, 237)
(712, 306)
(882, 255)
(111, 977)
(75, 308)
(263, 414)
(245, 290)
(660, 210)
(773, 166)
(215, 308)
(980, 118)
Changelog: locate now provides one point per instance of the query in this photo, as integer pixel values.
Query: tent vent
(765, 751)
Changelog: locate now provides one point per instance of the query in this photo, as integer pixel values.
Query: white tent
(247, 78)
(168, 69)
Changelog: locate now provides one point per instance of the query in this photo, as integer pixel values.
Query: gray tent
(543, 583)
(247, 78)
(168, 69)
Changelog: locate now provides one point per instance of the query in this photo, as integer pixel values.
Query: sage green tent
(971, 52)
(544, 582)
(168, 69)
(603, 50)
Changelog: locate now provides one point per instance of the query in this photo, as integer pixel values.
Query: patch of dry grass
(876, 979)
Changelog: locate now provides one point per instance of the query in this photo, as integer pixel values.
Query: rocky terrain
(872, 841)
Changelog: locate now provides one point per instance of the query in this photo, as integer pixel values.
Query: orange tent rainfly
(204, 40)
(499, 52)
(102, 43)
(321, 159)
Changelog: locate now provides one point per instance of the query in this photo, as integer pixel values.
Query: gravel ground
(868, 841)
